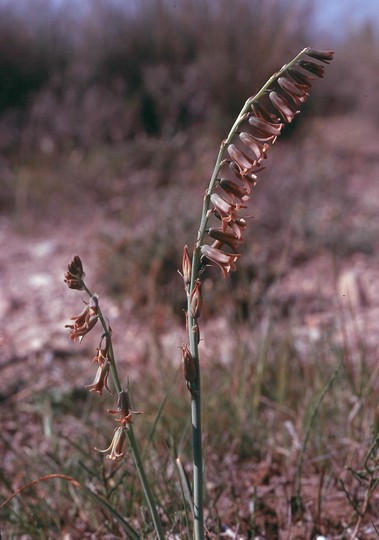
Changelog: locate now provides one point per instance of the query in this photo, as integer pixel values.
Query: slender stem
(192, 335)
(145, 484)
(132, 440)
(308, 430)
(196, 434)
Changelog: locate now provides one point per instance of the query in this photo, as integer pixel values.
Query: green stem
(144, 482)
(197, 451)
(132, 440)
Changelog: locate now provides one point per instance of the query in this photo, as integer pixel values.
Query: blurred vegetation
(78, 75)
(104, 72)
(123, 106)
(256, 413)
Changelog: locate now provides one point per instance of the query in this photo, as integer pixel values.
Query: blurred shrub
(353, 82)
(106, 70)
(78, 75)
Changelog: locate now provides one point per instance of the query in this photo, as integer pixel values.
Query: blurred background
(120, 106)
(111, 115)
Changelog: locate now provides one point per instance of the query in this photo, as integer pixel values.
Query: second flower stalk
(106, 367)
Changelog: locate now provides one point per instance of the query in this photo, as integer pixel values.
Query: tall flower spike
(238, 161)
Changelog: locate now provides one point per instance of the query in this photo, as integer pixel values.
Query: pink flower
(85, 321)
(115, 449)
(225, 237)
(226, 261)
(123, 409)
(101, 379)
(226, 210)
(74, 276)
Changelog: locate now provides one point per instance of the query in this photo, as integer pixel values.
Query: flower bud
(244, 163)
(101, 379)
(186, 267)
(74, 276)
(196, 300)
(226, 261)
(234, 189)
(189, 364)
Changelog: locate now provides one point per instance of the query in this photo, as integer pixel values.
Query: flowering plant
(241, 157)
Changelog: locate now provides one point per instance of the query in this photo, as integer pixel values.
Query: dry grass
(259, 386)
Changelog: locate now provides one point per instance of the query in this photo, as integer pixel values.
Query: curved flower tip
(115, 449)
(75, 274)
(323, 56)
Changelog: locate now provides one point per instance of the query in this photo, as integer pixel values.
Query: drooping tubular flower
(123, 409)
(256, 129)
(101, 379)
(85, 321)
(115, 448)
